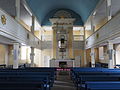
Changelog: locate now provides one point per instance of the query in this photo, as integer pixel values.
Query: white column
(111, 55)
(16, 55)
(92, 57)
(85, 62)
(32, 54)
(17, 4)
(16, 45)
(109, 13)
(6, 55)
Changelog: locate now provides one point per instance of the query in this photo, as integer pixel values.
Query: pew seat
(102, 85)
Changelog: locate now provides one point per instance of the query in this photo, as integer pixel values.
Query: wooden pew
(102, 85)
(83, 78)
(43, 77)
(15, 85)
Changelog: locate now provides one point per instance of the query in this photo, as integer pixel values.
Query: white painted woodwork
(109, 31)
(16, 32)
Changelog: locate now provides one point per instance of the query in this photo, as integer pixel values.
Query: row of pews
(96, 78)
(27, 79)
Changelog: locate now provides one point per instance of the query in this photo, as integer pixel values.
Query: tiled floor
(63, 82)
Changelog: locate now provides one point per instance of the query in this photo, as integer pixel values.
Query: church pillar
(32, 54)
(92, 57)
(85, 62)
(111, 55)
(16, 55)
(54, 42)
(70, 45)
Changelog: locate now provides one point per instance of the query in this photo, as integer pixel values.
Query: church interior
(59, 44)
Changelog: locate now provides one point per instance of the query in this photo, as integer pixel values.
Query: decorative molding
(62, 14)
(3, 19)
(68, 21)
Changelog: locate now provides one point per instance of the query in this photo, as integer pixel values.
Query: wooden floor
(63, 82)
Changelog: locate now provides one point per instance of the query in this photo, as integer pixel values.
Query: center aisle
(63, 82)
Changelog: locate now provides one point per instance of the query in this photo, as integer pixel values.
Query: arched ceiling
(43, 8)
